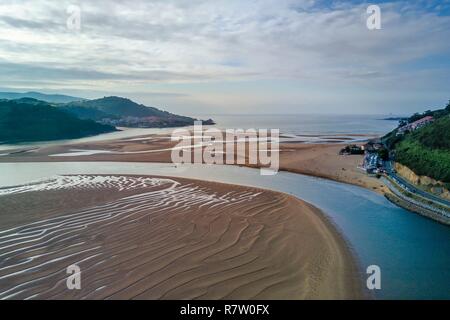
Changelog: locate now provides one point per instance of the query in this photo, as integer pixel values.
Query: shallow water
(124, 133)
(310, 124)
(413, 252)
(299, 126)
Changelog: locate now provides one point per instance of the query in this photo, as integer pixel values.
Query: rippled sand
(160, 238)
(316, 155)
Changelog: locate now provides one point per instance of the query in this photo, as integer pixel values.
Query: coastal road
(411, 188)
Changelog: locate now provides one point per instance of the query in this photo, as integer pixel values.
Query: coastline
(313, 159)
(294, 157)
(323, 266)
(324, 161)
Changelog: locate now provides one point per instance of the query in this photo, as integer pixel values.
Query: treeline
(433, 113)
(33, 120)
(434, 163)
(436, 135)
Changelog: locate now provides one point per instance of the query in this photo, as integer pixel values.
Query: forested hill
(28, 119)
(51, 98)
(426, 151)
(124, 112)
(114, 111)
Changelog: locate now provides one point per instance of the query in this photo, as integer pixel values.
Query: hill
(121, 107)
(124, 112)
(52, 98)
(33, 120)
(426, 151)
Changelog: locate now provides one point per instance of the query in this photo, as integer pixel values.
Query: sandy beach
(143, 237)
(323, 160)
(315, 159)
(160, 238)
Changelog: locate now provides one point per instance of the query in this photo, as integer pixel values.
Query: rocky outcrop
(427, 183)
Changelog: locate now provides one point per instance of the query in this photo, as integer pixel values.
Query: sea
(300, 125)
(308, 124)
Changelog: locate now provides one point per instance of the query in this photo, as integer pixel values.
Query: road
(413, 189)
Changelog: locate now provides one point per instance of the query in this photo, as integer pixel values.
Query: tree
(383, 154)
(447, 108)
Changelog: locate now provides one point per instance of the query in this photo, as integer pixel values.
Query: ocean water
(309, 124)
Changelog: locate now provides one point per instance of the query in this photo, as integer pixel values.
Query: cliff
(424, 182)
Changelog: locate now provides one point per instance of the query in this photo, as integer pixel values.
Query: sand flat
(167, 238)
(316, 159)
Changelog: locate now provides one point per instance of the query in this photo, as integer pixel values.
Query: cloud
(132, 44)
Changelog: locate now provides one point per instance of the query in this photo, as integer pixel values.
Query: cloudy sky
(229, 56)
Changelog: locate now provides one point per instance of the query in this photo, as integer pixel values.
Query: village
(378, 162)
(377, 154)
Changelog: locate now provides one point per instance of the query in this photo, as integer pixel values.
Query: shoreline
(322, 280)
(313, 159)
(304, 154)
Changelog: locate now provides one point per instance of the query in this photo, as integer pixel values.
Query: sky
(227, 56)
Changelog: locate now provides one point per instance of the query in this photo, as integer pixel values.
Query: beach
(269, 246)
(315, 159)
(226, 151)
(324, 160)
(147, 237)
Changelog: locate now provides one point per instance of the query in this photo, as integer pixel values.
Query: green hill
(121, 107)
(52, 98)
(124, 112)
(33, 120)
(436, 135)
(426, 151)
(87, 113)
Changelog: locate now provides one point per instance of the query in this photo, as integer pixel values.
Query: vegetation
(383, 154)
(426, 151)
(33, 120)
(436, 114)
(436, 135)
(121, 107)
(125, 110)
(113, 111)
(434, 163)
(87, 113)
(51, 98)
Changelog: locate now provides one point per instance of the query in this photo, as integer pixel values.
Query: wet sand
(323, 160)
(168, 238)
(316, 159)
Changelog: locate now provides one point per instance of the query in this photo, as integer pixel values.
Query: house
(352, 149)
(371, 163)
(415, 125)
(373, 145)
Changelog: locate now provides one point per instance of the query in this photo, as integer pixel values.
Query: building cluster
(373, 163)
(139, 122)
(415, 125)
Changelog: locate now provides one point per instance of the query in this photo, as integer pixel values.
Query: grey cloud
(15, 71)
(124, 43)
(32, 72)
(30, 24)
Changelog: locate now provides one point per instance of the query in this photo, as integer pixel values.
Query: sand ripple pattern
(78, 182)
(123, 246)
